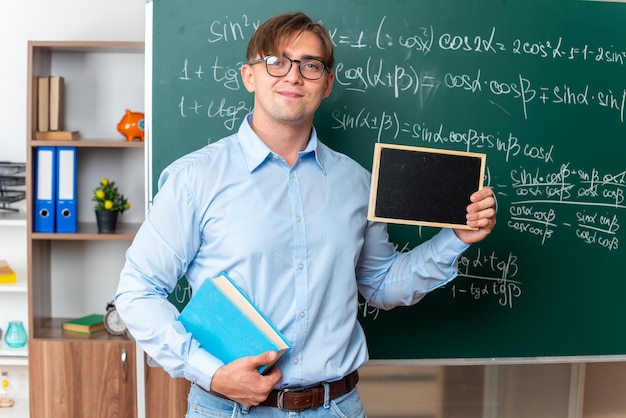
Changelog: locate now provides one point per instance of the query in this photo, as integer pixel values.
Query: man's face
(291, 99)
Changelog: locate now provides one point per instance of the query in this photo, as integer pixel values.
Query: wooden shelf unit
(93, 362)
(101, 152)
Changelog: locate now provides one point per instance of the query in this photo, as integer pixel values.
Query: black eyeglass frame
(299, 62)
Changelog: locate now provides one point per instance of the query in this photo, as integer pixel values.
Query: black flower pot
(107, 221)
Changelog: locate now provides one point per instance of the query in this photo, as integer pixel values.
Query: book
(8, 278)
(86, 324)
(7, 275)
(4, 267)
(228, 324)
(43, 104)
(58, 135)
(56, 103)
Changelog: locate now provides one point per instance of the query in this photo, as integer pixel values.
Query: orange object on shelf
(132, 125)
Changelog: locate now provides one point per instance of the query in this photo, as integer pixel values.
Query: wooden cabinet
(75, 274)
(83, 378)
(159, 382)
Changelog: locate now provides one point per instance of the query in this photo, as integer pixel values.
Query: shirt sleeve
(157, 258)
(388, 278)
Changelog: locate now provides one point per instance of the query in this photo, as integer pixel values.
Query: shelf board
(20, 287)
(19, 410)
(89, 143)
(90, 46)
(88, 231)
(12, 218)
(13, 361)
(52, 329)
(12, 355)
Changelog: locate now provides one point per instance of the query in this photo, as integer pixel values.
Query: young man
(285, 216)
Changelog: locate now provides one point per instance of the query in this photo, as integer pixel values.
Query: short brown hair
(269, 38)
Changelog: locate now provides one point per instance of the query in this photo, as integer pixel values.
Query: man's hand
(480, 214)
(241, 381)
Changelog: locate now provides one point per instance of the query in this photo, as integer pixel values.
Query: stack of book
(50, 109)
(7, 275)
(89, 324)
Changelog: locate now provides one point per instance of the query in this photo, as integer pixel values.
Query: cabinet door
(82, 379)
(159, 382)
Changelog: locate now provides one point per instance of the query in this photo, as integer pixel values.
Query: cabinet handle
(124, 366)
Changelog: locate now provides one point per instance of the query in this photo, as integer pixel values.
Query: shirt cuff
(201, 367)
(448, 244)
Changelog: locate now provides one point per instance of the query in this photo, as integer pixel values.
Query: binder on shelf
(45, 193)
(66, 214)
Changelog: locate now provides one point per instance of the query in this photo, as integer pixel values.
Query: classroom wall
(56, 20)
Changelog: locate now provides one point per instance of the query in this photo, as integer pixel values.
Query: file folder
(45, 185)
(66, 215)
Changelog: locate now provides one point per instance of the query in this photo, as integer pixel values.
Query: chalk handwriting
(483, 277)
(390, 126)
(546, 196)
(230, 30)
(387, 34)
(181, 293)
(544, 193)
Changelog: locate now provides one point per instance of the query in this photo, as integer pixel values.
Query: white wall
(51, 20)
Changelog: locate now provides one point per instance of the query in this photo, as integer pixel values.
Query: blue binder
(66, 214)
(45, 189)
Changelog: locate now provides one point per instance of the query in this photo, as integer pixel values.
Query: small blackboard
(423, 186)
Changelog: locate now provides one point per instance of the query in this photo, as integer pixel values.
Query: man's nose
(294, 71)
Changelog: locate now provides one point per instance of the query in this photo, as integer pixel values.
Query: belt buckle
(279, 399)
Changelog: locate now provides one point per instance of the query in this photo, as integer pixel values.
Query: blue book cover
(228, 325)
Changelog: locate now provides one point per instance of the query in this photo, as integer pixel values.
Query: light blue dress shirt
(295, 239)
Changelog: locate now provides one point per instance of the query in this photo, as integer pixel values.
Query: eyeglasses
(310, 68)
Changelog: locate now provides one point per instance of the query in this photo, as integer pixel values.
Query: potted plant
(109, 204)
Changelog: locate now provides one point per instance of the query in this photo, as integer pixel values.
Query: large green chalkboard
(539, 86)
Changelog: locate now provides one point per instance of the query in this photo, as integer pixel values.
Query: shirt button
(300, 266)
(298, 219)
(295, 361)
(301, 314)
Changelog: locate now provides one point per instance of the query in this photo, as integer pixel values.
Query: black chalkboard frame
(423, 186)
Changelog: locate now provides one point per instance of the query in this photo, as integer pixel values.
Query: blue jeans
(202, 404)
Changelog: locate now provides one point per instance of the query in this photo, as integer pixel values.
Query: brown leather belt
(300, 399)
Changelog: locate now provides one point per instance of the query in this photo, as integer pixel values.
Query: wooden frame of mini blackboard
(423, 186)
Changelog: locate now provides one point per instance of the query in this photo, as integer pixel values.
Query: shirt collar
(256, 152)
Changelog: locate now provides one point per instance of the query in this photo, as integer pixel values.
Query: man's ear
(329, 86)
(248, 77)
